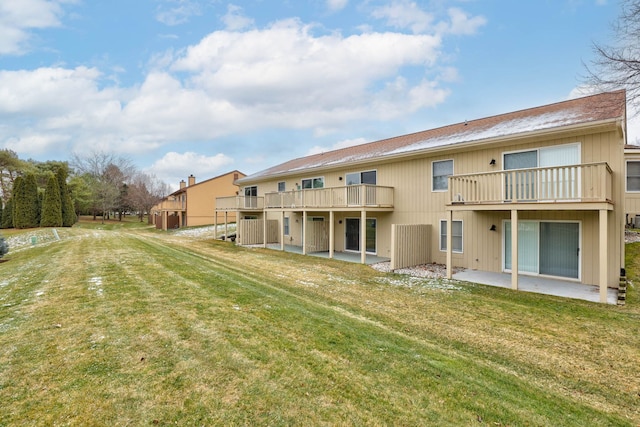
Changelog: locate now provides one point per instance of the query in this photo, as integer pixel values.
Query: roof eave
(590, 127)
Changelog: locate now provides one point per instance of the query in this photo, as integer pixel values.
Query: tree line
(55, 193)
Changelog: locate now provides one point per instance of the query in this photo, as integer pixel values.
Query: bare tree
(107, 174)
(144, 192)
(617, 66)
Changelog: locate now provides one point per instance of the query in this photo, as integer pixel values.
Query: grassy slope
(116, 326)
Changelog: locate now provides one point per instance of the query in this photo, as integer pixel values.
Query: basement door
(352, 237)
(549, 248)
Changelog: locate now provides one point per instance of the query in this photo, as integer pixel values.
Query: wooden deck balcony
(240, 203)
(173, 205)
(575, 184)
(347, 197)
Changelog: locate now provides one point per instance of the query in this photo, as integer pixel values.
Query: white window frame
(433, 181)
(313, 179)
(626, 176)
(375, 220)
(283, 185)
(285, 225)
(526, 273)
(578, 144)
(441, 235)
(359, 173)
(537, 150)
(249, 200)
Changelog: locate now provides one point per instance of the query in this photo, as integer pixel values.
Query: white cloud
(283, 76)
(340, 144)
(462, 24)
(176, 12)
(336, 5)
(18, 18)
(45, 90)
(235, 20)
(179, 166)
(405, 14)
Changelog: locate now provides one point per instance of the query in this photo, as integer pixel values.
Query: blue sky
(202, 87)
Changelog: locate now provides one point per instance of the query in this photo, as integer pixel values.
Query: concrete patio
(342, 256)
(540, 285)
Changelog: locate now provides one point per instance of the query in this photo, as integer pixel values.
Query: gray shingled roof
(609, 106)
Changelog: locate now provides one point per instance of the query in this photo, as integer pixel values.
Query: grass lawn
(119, 324)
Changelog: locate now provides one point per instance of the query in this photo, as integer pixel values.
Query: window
(281, 186)
(368, 177)
(251, 197)
(440, 171)
(286, 226)
(313, 183)
(354, 194)
(532, 184)
(352, 235)
(545, 247)
(633, 176)
(456, 236)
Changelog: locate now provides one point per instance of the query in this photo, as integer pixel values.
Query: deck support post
(331, 233)
(363, 236)
(226, 224)
(514, 249)
(602, 259)
(215, 223)
(264, 229)
(449, 241)
(282, 230)
(304, 232)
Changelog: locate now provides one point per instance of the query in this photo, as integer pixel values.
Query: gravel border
(432, 271)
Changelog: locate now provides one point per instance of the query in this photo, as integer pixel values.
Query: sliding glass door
(526, 182)
(549, 248)
(560, 249)
(352, 238)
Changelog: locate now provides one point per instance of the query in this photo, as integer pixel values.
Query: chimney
(192, 180)
(182, 184)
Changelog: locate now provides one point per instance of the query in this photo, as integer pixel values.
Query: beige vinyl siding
(416, 203)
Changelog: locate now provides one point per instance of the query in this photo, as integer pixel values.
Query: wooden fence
(410, 245)
(251, 232)
(317, 236)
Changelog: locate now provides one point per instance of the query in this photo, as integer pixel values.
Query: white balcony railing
(241, 203)
(350, 196)
(573, 183)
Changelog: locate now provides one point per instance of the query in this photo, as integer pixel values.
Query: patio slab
(540, 285)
